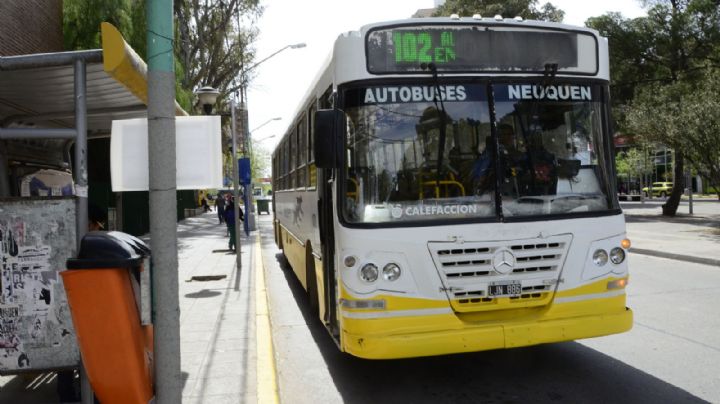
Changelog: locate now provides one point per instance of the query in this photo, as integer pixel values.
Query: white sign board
(198, 153)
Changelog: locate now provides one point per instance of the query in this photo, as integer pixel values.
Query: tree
(526, 9)
(82, 18)
(259, 160)
(673, 46)
(634, 163)
(684, 117)
(214, 42)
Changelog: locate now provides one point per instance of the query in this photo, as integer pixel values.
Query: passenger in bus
(543, 175)
(510, 157)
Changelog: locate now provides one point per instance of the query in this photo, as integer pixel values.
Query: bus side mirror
(329, 126)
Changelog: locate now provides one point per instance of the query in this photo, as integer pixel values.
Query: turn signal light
(625, 243)
(617, 284)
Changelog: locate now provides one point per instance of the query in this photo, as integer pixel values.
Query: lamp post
(207, 97)
(265, 123)
(249, 217)
(265, 138)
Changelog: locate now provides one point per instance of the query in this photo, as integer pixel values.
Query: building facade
(30, 26)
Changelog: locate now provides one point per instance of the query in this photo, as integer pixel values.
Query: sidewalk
(217, 317)
(692, 238)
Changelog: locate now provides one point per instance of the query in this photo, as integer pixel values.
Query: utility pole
(236, 189)
(163, 201)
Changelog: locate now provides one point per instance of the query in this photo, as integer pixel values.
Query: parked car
(659, 189)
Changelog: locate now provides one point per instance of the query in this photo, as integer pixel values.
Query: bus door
(327, 243)
(324, 142)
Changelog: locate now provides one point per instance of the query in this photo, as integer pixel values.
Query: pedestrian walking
(230, 221)
(220, 207)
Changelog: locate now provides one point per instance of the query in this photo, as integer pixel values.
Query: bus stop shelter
(50, 105)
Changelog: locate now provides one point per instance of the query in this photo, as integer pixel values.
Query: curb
(678, 257)
(266, 370)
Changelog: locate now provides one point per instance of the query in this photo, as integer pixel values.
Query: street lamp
(265, 138)
(293, 46)
(249, 218)
(207, 97)
(265, 123)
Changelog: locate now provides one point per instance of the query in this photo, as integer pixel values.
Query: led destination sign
(470, 48)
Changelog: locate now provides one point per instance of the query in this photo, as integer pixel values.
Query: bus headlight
(391, 271)
(600, 257)
(617, 255)
(369, 273)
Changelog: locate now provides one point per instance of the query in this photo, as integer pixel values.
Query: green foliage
(137, 36)
(214, 41)
(656, 63)
(82, 18)
(260, 161)
(628, 43)
(526, 9)
(677, 41)
(634, 162)
(685, 117)
(184, 96)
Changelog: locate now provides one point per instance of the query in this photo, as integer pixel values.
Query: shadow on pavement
(203, 293)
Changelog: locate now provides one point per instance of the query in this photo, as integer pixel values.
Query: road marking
(267, 390)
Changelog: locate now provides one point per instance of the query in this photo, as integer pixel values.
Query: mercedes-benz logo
(503, 261)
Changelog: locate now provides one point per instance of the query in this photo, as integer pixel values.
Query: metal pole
(163, 201)
(249, 218)
(236, 190)
(49, 59)
(80, 169)
(690, 192)
(4, 172)
(41, 133)
(81, 186)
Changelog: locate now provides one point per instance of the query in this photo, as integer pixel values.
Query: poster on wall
(36, 238)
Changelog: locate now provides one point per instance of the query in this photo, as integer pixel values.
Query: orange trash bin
(116, 348)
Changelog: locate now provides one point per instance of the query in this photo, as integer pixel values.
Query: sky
(281, 82)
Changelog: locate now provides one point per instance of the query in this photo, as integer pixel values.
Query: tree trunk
(670, 207)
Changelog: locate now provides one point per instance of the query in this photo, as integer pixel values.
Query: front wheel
(663, 194)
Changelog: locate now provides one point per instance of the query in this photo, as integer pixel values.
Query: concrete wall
(30, 26)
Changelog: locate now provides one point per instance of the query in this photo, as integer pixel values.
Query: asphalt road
(670, 356)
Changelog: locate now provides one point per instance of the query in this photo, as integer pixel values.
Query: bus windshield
(546, 155)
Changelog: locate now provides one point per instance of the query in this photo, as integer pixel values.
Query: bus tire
(278, 235)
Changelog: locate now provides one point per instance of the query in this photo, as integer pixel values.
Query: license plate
(505, 289)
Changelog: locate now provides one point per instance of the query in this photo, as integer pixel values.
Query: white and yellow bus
(448, 184)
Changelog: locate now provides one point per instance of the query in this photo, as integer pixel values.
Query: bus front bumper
(475, 337)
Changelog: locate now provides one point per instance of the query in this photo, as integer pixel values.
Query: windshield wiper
(443, 116)
(548, 79)
(533, 120)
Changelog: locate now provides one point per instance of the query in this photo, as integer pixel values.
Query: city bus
(447, 185)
